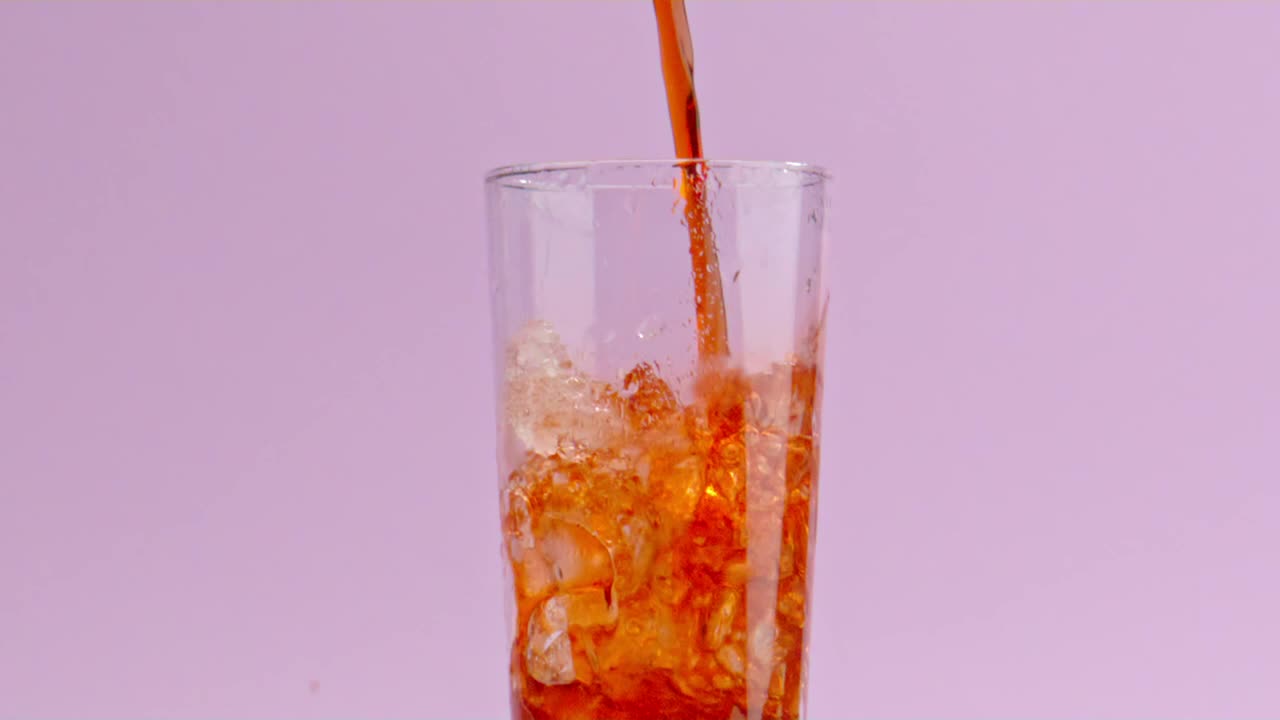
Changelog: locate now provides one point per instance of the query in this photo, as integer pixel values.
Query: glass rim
(504, 174)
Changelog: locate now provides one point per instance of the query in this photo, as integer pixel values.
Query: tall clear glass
(657, 507)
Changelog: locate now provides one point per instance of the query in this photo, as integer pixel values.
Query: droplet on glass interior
(650, 328)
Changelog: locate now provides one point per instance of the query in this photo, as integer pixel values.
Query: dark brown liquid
(682, 101)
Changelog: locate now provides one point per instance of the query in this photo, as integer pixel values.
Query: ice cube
(577, 557)
(651, 402)
(730, 657)
(551, 406)
(721, 620)
(549, 656)
(588, 608)
(532, 574)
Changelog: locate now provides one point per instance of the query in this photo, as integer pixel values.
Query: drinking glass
(657, 503)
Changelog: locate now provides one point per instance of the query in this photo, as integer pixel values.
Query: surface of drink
(659, 550)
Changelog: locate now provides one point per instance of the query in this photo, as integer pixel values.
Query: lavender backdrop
(245, 435)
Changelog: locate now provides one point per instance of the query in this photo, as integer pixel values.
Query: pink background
(245, 415)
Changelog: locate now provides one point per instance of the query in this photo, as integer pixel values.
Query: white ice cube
(551, 406)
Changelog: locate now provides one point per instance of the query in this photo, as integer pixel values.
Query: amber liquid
(676, 46)
(664, 572)
(659, 550)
